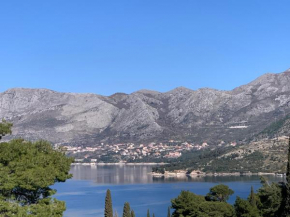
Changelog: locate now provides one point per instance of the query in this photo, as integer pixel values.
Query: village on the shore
(130, 152)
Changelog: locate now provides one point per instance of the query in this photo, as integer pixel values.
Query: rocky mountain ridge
(204, 115)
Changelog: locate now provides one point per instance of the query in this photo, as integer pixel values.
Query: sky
(109, 46)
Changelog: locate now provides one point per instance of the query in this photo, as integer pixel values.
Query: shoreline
(184, 174)
(120, 164)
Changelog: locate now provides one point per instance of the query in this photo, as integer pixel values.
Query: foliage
(270, 197)
(215, 209)
(252, 198)
(148, 213)
(126, 210)
(244, 208)
(133, 213)
(27, 170)
(275, 127)
(186, 204)
(219, 193)
(108, 204)
(5, 128)
(168, 212)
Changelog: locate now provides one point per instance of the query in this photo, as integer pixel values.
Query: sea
(85, 193)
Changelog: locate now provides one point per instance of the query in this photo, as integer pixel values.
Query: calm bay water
(85, 192)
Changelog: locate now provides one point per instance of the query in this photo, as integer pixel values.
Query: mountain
(204, 115)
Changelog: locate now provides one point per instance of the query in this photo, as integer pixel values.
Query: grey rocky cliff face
(202, 115)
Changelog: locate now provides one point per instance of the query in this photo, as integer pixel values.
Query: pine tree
(108, 205)
(252, 198)
(148, 213)
(168, 212)
(127, 210)
(132, 213)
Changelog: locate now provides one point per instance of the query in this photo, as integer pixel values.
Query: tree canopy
(27, 170)
(126, 210)
(108, 204)
(219, 193)
(5, 128)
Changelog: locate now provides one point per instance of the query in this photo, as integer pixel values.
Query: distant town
(130, 152)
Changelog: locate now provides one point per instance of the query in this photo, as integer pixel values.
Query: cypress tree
(127, 210)
(108, 205)
(168, 212)
(132, 213)
(153, 215)
(148, 213)
(252, 198)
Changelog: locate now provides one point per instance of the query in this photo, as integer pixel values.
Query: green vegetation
(148, 213)
(108, 204)
(271, 200)
(275, 127)
(132, 213)
(126, 210)
(5, 128)
(219, 193)
(190, 204)
(243, 208)
(168, 212)
(27, 170)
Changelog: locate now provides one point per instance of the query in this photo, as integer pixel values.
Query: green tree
(5, 128)
(219, 193)
(214, 209)
(133, 213)
(126, 210)
(168, 212)
(244, 208)
(108, 204)
(27, 170)
(153, 215)
(148, 213)
(252, 198)
(186, 204)
(270, 198)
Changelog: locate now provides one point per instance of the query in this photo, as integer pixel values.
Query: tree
(168, 212)
(148, 213)
(132, 213)
(219, 193)
(127, 210)
(214, 209)
(252, 198)
(108, 204)
(270, 198)
(27, 170)
(244, 208)
(5, 128)
(186, 204)
(153, 215)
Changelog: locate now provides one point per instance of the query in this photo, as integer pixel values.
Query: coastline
(201, 174)
(127, 164)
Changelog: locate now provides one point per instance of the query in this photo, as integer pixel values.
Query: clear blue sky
(108, 46)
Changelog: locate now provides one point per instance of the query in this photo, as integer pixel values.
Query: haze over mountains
(204, 115)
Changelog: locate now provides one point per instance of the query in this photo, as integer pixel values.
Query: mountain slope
(143, 116)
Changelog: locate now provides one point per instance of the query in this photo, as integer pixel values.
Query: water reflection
(134, 174)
